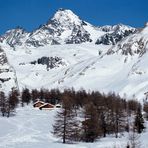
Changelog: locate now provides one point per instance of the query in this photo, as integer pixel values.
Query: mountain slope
(93, 67)
(8, 78)
(53, 56)
(65, 28)
(115, 34)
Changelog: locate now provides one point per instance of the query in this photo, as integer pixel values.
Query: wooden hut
(46, 106)
(38, 103)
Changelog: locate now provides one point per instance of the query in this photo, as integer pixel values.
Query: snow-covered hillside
(63, 53)
(68, 52)
(82, 67)
(31, 128)
(115, 34)
(8, 78)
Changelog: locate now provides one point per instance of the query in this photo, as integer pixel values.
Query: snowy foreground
(31, 128)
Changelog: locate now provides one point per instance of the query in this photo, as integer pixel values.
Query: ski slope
(31, 128)
(121, 68)
(84, 68)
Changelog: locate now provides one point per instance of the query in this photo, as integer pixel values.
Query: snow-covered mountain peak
(122, 27)
(115, 34)
(145, 30)
(85, 65)
(15, 32)
(134, 44)
(65, 27)
(146, 24)
(17, 29)
(112, 28)
(14, 36)
(65, 16)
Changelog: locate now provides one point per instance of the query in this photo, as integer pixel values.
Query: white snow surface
(66, 16)
(85, 68)
(121, 68)
(31, 128)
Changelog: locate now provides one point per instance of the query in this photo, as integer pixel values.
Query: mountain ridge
(59, 55)
(64, 27)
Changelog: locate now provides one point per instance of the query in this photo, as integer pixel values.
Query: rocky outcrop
(50, 62)
(116, 34)
(66, 28)
(8, 78)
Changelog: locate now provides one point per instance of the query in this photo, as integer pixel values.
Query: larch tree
(26, 96)
(145, 109)
(2, 103)
(66, 124)
(12, 102)
(90, 125)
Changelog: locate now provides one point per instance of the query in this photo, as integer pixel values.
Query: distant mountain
(14, 37)
(115, 34)
(66, 28)
(69, 52)
(133, 44)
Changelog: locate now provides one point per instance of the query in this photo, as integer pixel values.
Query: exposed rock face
(66, 28)
(63, 28)
(117, 33)
(7, 74)
(134, 44)
(79, 35)
(14, 37)
(51, 62)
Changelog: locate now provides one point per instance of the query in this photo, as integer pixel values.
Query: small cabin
(46, 106)
(38, 104)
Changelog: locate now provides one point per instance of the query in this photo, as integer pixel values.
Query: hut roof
(38, 102)
(46, 105)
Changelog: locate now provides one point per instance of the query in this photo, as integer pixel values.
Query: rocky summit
(69, 52)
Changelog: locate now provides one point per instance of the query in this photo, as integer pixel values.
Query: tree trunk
(64, 130)
(3, 114)
(104, 132)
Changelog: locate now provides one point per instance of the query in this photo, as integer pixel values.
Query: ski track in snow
(25, 129)
(85, 69)
(31, 128)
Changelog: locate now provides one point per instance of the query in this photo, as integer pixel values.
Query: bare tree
(34, 95)
(26, 96)
(3, 103)
(145, 108)
(66, 125)
(90, 125)
(12, 102)
(134, 141)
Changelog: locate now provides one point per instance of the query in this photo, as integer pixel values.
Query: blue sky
(31, 13)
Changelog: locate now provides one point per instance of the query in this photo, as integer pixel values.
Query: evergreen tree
(139, 121)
